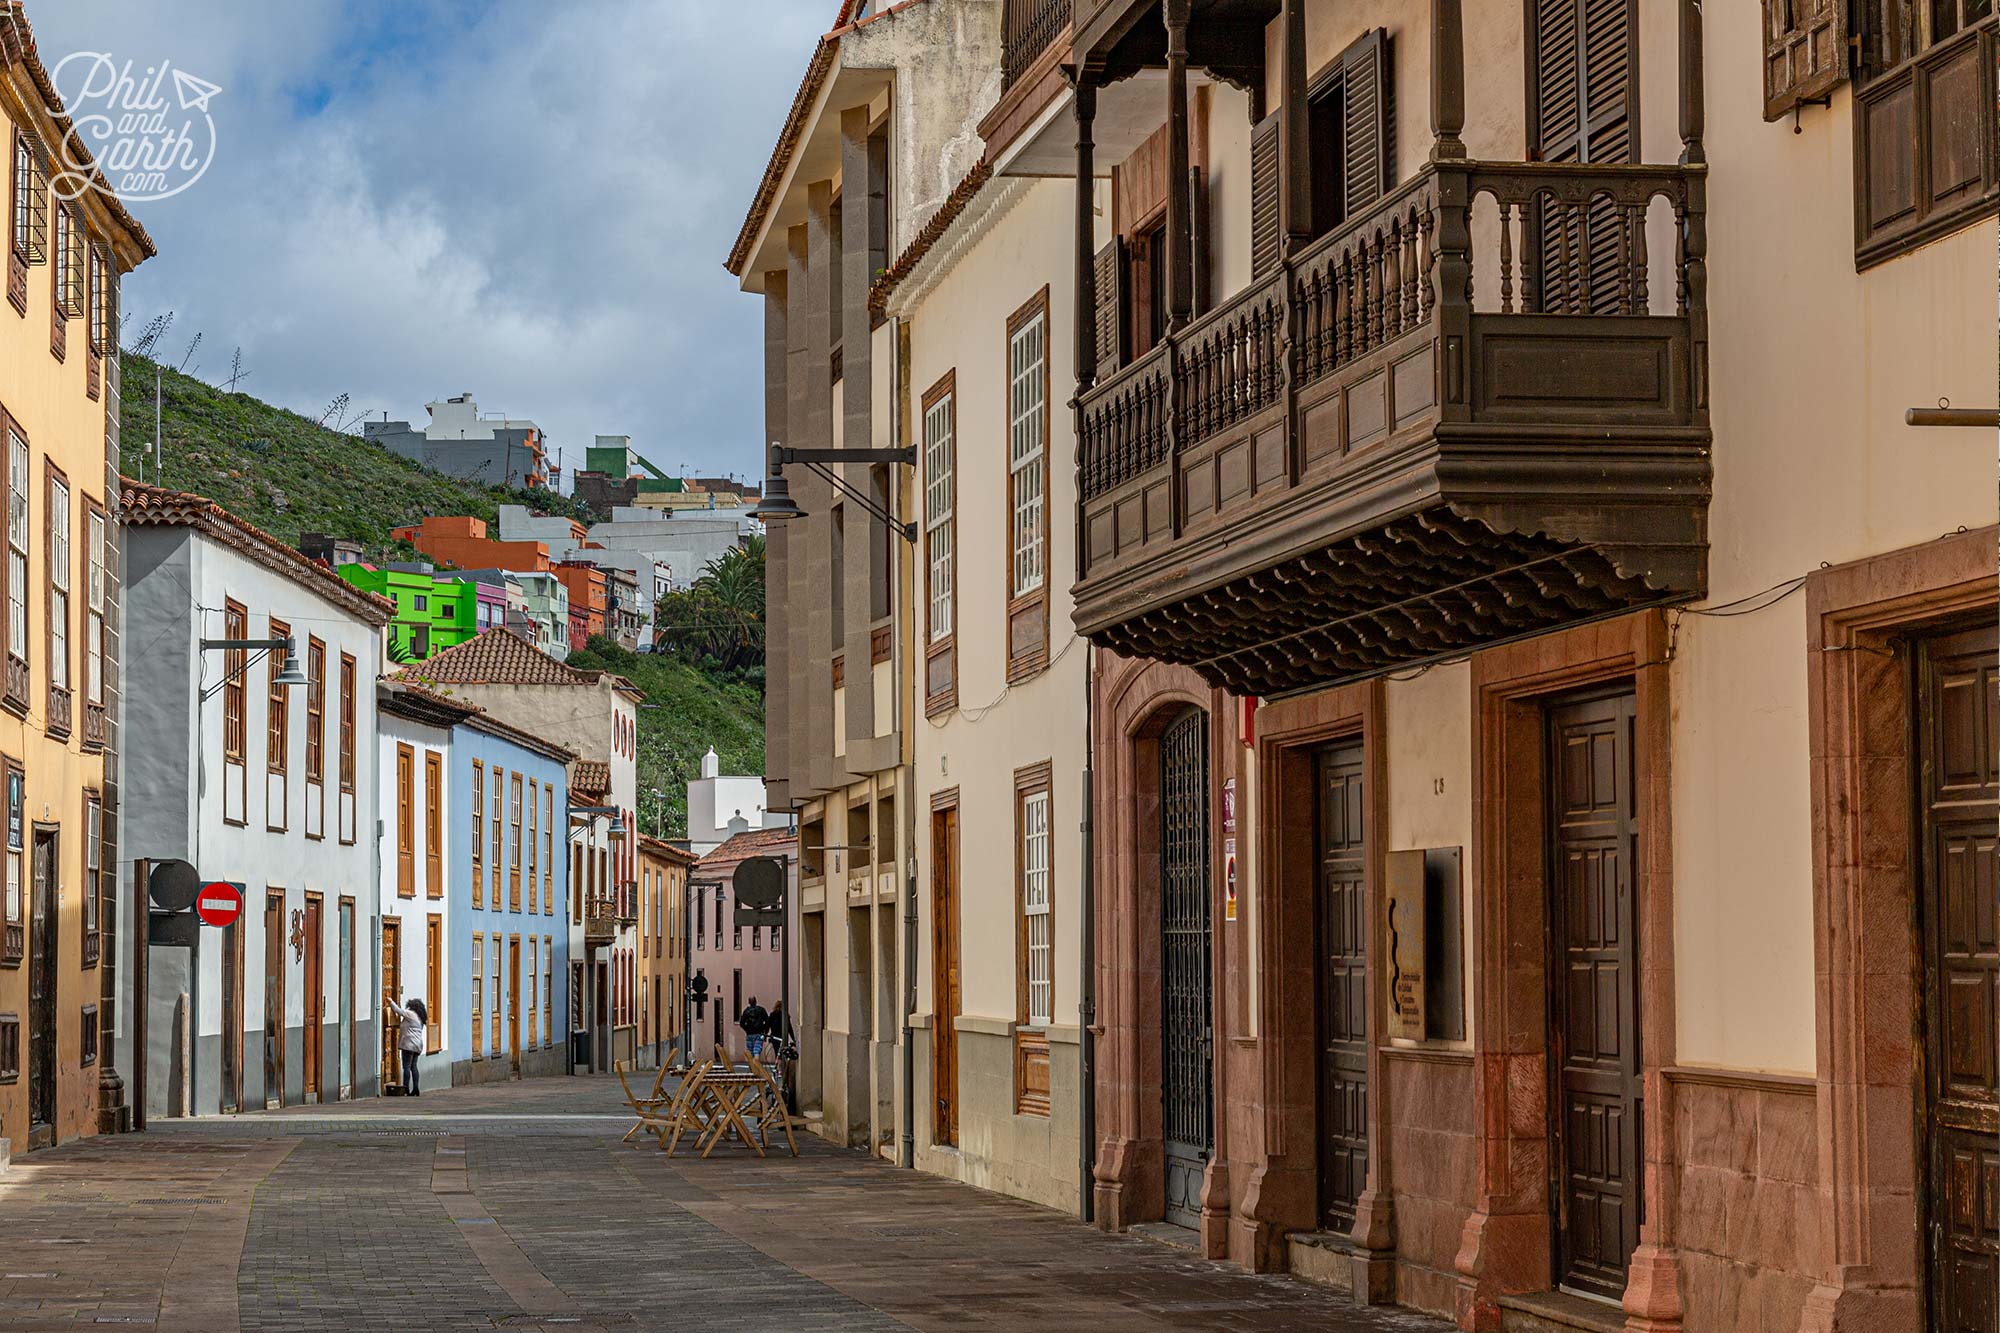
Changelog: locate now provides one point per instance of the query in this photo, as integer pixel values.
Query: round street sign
(172, 885)
(219, 904)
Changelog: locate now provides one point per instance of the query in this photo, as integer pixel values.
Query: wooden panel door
(314, 996)
(42, 968)
(1341, 982)
(274, 998)
(947, 984)
(232, 1016)
(1593, 991)
(1959, 802)
(392, 985)
(514, 1004)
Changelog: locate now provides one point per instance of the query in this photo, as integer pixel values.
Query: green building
(432, 613)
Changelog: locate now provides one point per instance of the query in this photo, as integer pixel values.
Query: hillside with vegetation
(287, 473)
(290, 475)
(686, 711)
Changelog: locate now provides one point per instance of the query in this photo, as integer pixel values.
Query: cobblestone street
(516, 1206)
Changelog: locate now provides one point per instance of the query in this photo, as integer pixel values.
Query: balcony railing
(1520, 344)
(1028, 27)
(600, 921)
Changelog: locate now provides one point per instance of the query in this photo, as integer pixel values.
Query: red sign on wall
(219, 903)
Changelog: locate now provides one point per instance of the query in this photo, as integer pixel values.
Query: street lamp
(617, 829)
(289, 672)
(777, 505)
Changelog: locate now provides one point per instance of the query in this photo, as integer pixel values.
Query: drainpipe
(1086, 1044)
(906, 1149)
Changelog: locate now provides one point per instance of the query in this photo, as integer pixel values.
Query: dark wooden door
(1186, 1032)
(1593, 991)
(1959, 800)
(392, 986)
(314, 997)
(232, 1015)
(274, 998)
(514, 1005)
(947, 983)
(42, 968)
(1342, 983)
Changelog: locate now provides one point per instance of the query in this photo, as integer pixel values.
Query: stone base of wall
(538, 1063)
(1031, 1157)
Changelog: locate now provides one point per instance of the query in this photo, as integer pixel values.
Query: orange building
(587, 600)
(462, 542)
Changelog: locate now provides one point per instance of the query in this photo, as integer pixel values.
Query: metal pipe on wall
(906, 1148)
(1087, 1017)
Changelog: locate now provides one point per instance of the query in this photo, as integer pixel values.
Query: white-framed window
(17, 547)
(93, 648)
(1037, 926)
(58, 583)
(940, 459)
(1027, 431)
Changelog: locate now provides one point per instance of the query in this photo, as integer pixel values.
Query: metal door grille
(1184, 963)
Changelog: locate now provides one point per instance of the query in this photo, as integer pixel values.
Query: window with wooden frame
(1035, 938)
(478, 838)
(87, 1036)
(433, 824)
(548, 849)
(514, 856)
(1027, 488)
(498, 780)
(940, 417)
(98, 555)
(548, 988)
(315, 738)
(576, 884)
(68, 270)
(17, 572)
(1583, 108)
(235, 707)
(434, 982)
(17, 863)
(99, 299)
(534, 844)
(533, 992)
(277, 735)
(478, 993)
(406, 821)
(498, 942)
(10, 1048)
(1926, 140)
(346, 726)
(56, 604)
(93, 876)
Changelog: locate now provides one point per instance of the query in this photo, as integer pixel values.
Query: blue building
(510, 924)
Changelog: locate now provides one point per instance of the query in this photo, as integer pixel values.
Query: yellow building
(59, 688)
(663, 874)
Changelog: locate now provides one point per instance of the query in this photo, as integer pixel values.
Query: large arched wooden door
(1186, 1024)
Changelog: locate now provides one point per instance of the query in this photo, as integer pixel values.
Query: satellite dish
(760, 884)
(173, 885)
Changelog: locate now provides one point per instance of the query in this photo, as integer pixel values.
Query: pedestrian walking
(780, 1026)
(755, 1023)
(411, 1020)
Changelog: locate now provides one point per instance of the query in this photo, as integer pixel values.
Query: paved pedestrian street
(516, 1207)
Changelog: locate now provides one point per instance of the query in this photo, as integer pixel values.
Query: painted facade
(663, 942)
(420, 850)
(268, 786)
(432, 613)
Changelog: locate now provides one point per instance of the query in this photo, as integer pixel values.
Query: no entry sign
(219, 903)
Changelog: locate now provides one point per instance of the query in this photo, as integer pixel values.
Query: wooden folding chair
(645, 1108)
(773, 1103)
(687, 1110)
(729, 1093)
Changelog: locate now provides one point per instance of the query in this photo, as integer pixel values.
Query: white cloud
(413, 198)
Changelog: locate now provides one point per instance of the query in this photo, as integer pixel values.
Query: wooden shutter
(1365, 136)
(1204, 291)
(1584, 73)
(1805, 52)
(1265, 226)
(1111, 307)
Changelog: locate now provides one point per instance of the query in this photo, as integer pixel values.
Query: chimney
(710, 765)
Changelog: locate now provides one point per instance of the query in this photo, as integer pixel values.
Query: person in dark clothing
(755, 1023)
(780, 1027)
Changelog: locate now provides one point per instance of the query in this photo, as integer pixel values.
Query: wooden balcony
(1477, 413)
(600, 924)
(1028, 28)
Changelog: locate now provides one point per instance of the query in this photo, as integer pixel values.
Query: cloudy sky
(415, 198)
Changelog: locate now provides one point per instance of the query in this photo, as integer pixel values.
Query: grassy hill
(289, 474)
(685, 712)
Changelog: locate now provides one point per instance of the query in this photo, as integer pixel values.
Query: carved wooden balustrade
(1520, 344)
(1027, 27)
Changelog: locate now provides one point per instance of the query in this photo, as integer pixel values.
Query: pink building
(739, 962)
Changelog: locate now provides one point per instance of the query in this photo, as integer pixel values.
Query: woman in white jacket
(411, 1020)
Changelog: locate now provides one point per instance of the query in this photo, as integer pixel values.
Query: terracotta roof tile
(757, 842)
(140, 505)
(497, 657)
(933, 231)
(590, 775)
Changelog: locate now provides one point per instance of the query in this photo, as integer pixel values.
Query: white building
(716, 804)
(268, 786)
